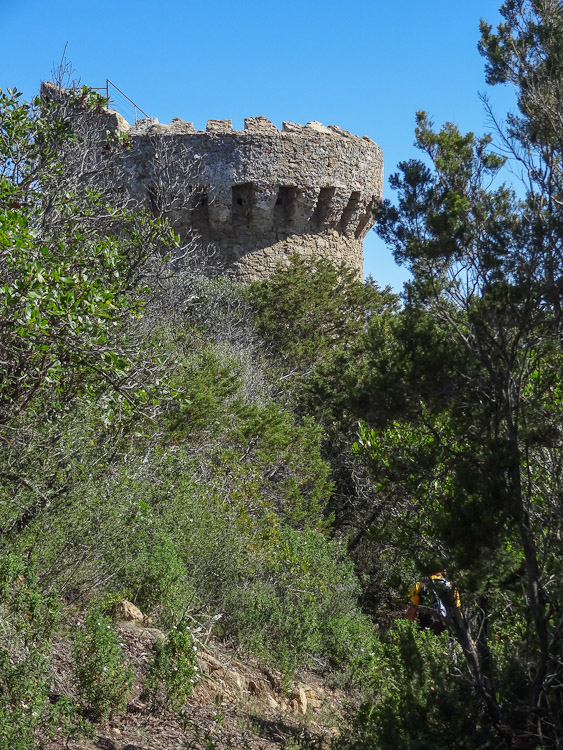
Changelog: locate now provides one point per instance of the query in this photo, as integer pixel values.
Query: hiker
(427, 605)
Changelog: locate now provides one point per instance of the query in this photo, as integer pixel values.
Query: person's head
(433, 566)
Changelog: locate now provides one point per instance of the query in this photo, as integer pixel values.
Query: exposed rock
(120, 123)
(272, 702)
(128, 612)
(180, 126)
(143, 127)
(291, 127)
(260, 125)
(210, 662)
(340, 131)
(236, 679)
(298, 700)
(253, 687)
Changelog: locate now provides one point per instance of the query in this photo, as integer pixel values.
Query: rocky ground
(236, 704)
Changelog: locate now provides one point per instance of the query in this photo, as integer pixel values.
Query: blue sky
(365, 65)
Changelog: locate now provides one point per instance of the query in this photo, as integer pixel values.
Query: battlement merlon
(262, 191)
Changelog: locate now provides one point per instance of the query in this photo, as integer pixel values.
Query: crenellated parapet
(258, 195)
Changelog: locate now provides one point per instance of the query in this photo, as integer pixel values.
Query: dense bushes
(419, 697)
(299, 607)
(28, 617)
(184, 533)
(216, 507)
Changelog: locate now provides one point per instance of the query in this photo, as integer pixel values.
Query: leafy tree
(73, 265)
(74, 269)
(470, 460)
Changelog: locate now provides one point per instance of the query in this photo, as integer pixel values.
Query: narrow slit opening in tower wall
(322, 209)
(242, 204)
(199, 218)
(349, 210)
(284, 209)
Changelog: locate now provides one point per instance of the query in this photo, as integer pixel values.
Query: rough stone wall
(257, 195)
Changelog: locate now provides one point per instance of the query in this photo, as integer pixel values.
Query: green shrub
(23, 698)
(173, 670)
(420, 697)
(31, 612)
(300, 608)
(102, 679)
(178, 520)
(149, 566)
(28, 617)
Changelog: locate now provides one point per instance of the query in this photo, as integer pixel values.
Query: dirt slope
(235, 704)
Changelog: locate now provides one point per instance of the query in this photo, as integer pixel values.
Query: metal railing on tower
(120, 102)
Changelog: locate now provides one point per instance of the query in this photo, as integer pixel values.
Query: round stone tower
(257, 195)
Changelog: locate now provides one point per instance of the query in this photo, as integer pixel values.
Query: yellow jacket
(414, 595)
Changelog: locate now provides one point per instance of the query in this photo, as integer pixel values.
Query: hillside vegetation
(271, 467)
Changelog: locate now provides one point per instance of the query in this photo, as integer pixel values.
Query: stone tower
(257, 195)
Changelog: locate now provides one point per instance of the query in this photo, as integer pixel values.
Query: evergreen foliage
(470, 463)
(29, 615)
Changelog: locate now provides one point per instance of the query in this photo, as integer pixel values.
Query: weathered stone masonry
(259, 195)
